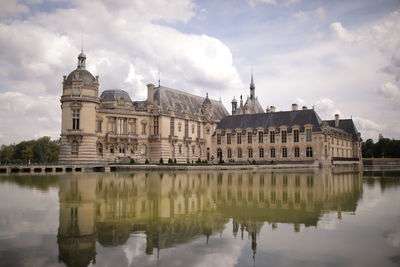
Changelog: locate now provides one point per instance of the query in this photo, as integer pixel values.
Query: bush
(161, 161)
(221, 161)
(132, 161)
(175, 161)
(198, 160)
(147, 161)
(170, 161)
(254, 161)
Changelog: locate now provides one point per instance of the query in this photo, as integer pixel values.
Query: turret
(79, 104)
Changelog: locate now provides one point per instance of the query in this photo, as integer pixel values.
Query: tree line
(384, 148)
(42, 150)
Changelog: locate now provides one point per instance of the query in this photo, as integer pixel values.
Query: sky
(336, 56)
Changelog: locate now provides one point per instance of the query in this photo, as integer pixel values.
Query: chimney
(294, 107)
(304, 107)
(272, 108)
(337, 120)
(150, 93)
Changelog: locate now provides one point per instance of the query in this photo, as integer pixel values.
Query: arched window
(122, 149)
(74, 147)
(100, 149)
(309, 152)
(112, 149)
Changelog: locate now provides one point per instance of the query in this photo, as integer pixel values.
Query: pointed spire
(252, 86)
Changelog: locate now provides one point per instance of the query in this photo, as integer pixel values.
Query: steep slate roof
(346, 125)
(114, 94)
(168, 98)
(272, 119)
(253, 106)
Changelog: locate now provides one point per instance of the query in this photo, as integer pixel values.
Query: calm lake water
(302, 218)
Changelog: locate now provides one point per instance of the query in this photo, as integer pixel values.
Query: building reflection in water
(174, 208)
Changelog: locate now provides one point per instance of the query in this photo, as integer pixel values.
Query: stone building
(170, 124)
(176, 125)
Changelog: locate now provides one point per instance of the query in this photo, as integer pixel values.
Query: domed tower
(79, 105)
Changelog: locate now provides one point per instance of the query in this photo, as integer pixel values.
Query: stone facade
(176, 125)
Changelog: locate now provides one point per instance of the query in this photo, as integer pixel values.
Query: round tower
(79, 105)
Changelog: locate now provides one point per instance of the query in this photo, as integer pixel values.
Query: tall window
(308, 135)
(100, 149)
(218, 139)
(240, 153)
(239, 138)
(272, 152)
(186, 128)
(156, 120)
(283, 136)
(284, 152)
(272, 137)
(261, 152)
(120, 126)
(198, 129)
(229, 153)
(250, 152)
(249, 137)
(74, 147)
(75, 119)
(228, 138)
(309, 152)
(260, 137)
(219, 153)
(172, 127)
(296, 136)
(99, 124)
(296, 152)
(143, 127)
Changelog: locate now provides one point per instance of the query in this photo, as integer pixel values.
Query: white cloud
(318, 14)
(124, 41)
(368, 128)
(255, 2)
(326, 108)
(288, 3)
(390, 91)
(26, 117)
(342, 33)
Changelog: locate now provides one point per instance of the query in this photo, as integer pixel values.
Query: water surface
(241, 218)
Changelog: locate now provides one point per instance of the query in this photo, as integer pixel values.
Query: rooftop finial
(82, 43)
(81, 57)
(159, 75)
